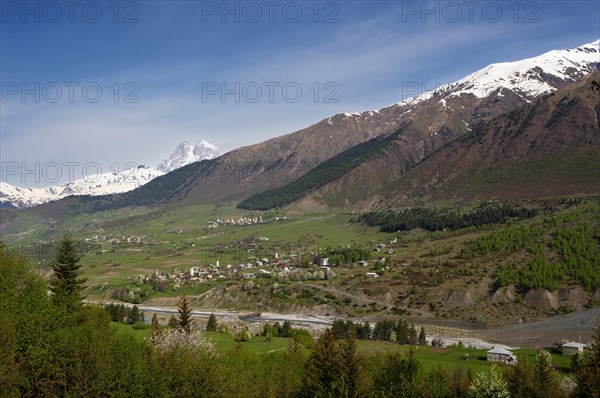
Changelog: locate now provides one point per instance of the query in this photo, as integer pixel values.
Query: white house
(372, 275)
(501, 355)
(572, 348)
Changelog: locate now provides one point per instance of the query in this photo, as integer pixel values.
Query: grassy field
(223, 342)
(430, 358)
(452, 358)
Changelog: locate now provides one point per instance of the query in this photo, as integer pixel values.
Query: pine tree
(185, 321)
(212, 323)
(402, 332)
(412, 335)
(422, 337)
(587, 372)
(155, 324)
(547, 383)
(520, 379)
(324, 373)
(286, 328)
(398, 376)
(122, 313)
(65, 284)
(173, 322)
(134, 315)
(338, 329)
(356, 383)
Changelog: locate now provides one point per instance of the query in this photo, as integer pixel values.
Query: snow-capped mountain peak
(99, 184)
(528, 78)
(107, 183)
(186, 153)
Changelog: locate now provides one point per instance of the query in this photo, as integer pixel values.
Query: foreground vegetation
(53, 346)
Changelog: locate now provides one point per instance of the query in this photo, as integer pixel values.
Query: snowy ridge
(100, 184)
(185, 154)
(107, 183)
(528, 78)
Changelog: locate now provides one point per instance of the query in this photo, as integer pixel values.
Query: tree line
(433, 219)
(400, 332)
(122, 313)
(323, 174)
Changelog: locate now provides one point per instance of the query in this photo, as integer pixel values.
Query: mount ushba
(107, 183)
(340, 149)
(186, 153)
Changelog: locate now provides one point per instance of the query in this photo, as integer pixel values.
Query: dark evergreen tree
(356, 382)
(211, 326)
(276, 329)
(185, 321)
(286, 329)
(65, 282)
(422, 337)
(401, 330)
(383, 330)
(398, 377)
(122, 313)
(339, 329)
(324, 371)
(134, 315)
(546, 381)
(520, 379)
(363, 332)
(173, 322)
(587, 371)
(412, 335)
(155, 324)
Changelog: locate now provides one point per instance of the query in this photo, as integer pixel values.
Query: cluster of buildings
(117, 239)
(508, 357)
(242, 221)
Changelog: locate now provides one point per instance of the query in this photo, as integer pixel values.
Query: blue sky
(162, 66)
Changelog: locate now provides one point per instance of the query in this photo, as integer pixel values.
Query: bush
(141, 326)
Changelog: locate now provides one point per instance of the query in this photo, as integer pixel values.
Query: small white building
(501, 355)
(572, 348)
(372, 275)
(324, 262)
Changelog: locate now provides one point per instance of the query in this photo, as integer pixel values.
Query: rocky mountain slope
(544, 149)
(429, 122)
(550, 147)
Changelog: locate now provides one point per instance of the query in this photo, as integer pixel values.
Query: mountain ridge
(106, 183)
(432, 121)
